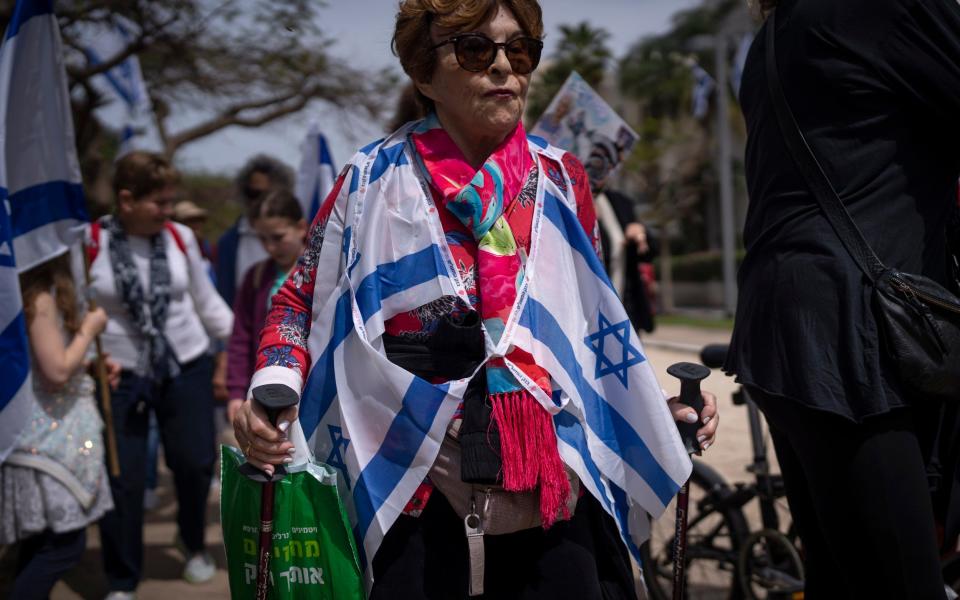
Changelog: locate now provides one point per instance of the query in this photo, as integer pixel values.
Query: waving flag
(382, 427)
(39, 170)
(316, 174)
(125, 80)
(15, 365)
(703, 86)
(39, 183)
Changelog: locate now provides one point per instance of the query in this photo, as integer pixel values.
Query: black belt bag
(919, 320)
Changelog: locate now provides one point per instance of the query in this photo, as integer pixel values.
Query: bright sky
(362, 29)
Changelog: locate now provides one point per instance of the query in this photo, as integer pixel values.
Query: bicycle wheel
(769, 567)
(714, 537)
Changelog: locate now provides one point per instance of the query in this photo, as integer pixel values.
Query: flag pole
(113, 458)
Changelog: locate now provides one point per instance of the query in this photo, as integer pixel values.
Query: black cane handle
(275, 398)
(690, 376)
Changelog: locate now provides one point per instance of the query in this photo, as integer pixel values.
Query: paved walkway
(163, 564)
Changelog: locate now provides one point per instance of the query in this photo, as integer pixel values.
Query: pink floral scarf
(478, 198)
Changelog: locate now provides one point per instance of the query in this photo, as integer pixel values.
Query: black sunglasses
(476, 52)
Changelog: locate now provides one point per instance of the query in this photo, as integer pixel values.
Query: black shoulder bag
(919, 320)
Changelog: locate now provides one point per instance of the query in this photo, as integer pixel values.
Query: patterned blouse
(283, 341)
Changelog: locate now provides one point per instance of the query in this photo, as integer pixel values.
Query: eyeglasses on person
(475, 52)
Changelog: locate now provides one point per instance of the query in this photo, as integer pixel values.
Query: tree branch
(134, 47)
(282, 105)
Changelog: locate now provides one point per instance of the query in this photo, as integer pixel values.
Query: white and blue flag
(316, 174)
(381, 426)
(15, 385)
(40, 184)
(703, 86)
(123, 81)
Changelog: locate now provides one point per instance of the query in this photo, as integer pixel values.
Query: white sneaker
(199, 568)
(121, 596)
(150, 499)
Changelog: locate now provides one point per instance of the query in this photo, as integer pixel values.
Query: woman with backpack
(148, 274)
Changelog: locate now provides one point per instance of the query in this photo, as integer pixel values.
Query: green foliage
(700, 266)
(725, 323)
(583, 49)
(216, 194)
(656, 69)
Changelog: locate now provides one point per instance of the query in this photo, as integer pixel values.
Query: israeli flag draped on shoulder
(40, 185)
(385, 253)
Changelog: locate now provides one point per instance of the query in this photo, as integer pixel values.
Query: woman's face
(478, 106)
(146, 216)
(281, 238)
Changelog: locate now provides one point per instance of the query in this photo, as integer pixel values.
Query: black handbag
(919, 320)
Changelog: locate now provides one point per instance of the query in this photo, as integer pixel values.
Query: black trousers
(184, 409)
(43, 559)
(426, 558)
(860, 500)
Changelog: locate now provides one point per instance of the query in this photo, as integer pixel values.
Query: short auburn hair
(411, 36)
(142, 173)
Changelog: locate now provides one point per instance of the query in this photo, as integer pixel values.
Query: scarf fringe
(529, 453)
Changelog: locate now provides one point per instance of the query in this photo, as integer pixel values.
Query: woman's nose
(500, 62)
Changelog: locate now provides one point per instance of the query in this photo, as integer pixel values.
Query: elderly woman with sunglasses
(469, 169)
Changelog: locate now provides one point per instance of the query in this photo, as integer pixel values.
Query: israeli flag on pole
(124, 81)
(703, 86)
(15, 385)
(40, 184)
(316, 174)
(382, 427)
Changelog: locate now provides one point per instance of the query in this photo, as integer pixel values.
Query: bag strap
(93, 248)
(177, 238)
(805, 160)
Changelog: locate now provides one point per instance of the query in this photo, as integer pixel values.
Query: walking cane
(690, 376)
(113, 459)
(274, 398)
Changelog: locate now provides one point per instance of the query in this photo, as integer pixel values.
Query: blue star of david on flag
(620, 332)
(339, 445)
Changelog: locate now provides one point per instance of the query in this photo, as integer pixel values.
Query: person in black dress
(875, 87)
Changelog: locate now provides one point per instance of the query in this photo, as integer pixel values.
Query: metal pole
(725, 172)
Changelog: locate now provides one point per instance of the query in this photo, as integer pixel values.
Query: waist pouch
(500, 511)
(453, 351)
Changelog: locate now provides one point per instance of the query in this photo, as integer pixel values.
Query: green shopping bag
(313, 555)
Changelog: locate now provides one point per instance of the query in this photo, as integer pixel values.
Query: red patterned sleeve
(581, 191)
(283, 340)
